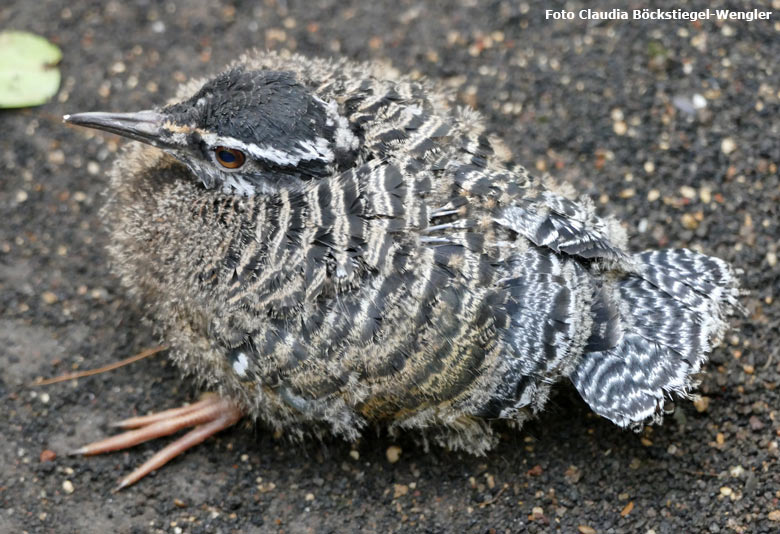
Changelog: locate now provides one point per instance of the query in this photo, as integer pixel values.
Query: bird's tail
(652, 330)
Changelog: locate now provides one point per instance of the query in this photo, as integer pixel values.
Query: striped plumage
(383, 264)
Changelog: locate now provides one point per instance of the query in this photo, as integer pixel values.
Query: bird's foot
(208, 416)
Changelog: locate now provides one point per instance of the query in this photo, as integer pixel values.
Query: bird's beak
(145, 126)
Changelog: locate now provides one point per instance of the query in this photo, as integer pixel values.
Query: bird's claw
(208, 416)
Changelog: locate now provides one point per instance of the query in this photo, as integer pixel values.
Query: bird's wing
(564, 226)
(520, 203)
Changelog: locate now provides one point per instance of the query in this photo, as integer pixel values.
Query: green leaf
(28, 72)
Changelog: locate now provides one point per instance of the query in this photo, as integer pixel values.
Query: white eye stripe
(309, 150)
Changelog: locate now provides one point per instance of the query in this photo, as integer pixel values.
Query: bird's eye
(230, 158)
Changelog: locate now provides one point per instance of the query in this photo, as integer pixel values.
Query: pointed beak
(143, 126)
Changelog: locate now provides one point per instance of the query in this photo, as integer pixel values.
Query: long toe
(190, 439)
(208, 416)
(144, 420)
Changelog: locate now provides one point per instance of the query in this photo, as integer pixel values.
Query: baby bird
(329, 248)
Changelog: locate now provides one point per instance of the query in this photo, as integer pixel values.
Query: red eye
(230, 158)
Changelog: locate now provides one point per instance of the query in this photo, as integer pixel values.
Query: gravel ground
(614, 107)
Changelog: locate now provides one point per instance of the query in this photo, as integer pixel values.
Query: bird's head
(246, 131)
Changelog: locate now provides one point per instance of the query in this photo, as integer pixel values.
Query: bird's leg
(208, 416)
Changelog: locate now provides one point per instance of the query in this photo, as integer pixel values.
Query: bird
(329, 246)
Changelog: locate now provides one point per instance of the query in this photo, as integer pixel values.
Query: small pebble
(57, 157)
(688, 192)
(572, 474)
(309, 497)
(99, 293)
(49, 297)
(393, 453)
(737, 471)
(399, 490)
(355, 455)
(689, 104)
(726, 491)
(727, 145)
(585, 529)
(48, 455)
(689, 221)
(67, 486)
(701, 404)
(265, 487)
(627, 509)
(755, 423)
(774, 515)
